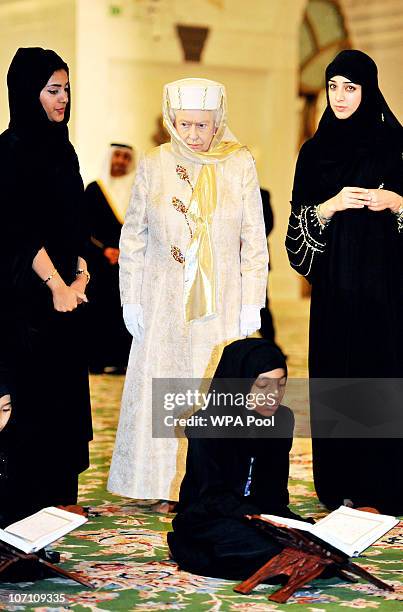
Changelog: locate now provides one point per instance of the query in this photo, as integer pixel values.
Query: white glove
(249, 320)
(133, 318)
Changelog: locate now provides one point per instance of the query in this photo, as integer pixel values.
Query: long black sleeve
(20, 219)
(306, 238)
(269, 482)
(215, 479)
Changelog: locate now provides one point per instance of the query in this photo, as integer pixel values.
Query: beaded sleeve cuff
(399, 219)
(304, 240)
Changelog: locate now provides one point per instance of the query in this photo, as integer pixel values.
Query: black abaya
(210, 535)
(355, 267)
(45, 442)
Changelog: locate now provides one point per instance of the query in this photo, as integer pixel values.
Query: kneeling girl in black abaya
(233, 472)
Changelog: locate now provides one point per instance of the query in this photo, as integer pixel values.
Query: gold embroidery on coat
(180, 207)
(177, 254)
(183, 175)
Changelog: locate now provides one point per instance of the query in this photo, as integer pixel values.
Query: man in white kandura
(193, 273)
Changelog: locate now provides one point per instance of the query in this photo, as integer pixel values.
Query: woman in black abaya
(43, 276)
(346, 236)
(231, 472)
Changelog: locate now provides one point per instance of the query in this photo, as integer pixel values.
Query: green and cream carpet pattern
(122, 548)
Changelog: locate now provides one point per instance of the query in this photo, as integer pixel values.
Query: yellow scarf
(200, 284)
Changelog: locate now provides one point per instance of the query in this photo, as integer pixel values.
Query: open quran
(40, 529)
(308, 550)
(348, 530)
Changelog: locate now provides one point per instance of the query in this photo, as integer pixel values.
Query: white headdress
(195, 94)
(117, 189)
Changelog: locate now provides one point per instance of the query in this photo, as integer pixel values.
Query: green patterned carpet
(123, 548)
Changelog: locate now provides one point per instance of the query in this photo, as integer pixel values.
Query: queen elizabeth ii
(193, 273)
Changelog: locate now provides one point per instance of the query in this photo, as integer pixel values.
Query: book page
(350, 530)
(353, 530)
(289, 522)
(38, 525)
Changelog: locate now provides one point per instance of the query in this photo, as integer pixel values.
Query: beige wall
(124, 61)
(376, 27)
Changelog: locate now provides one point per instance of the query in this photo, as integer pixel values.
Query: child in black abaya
(238, 471)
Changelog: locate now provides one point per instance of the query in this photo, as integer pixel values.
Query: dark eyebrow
(58, 84)
(344, 82)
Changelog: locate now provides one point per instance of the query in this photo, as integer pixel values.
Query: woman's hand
(65, 299)
(112, 255)
(381, 199)
(79, 286)
(134, 320)
(249, 319)
(348, 197)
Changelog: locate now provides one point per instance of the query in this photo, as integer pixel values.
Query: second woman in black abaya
(346, 236)
(229, 477)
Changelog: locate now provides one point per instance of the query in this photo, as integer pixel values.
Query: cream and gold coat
(155, 235)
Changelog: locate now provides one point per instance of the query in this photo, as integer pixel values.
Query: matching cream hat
(194, 94)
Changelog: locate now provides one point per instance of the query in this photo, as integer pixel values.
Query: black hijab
(42, 203)
(28, 74)
(349, 152)
(372, 119)
(248, 358)
(241, 363)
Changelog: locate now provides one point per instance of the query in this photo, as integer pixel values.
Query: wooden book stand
(303, 558)
(10, 556)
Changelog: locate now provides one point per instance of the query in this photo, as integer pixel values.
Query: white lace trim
(399, 219)
(309, 245)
